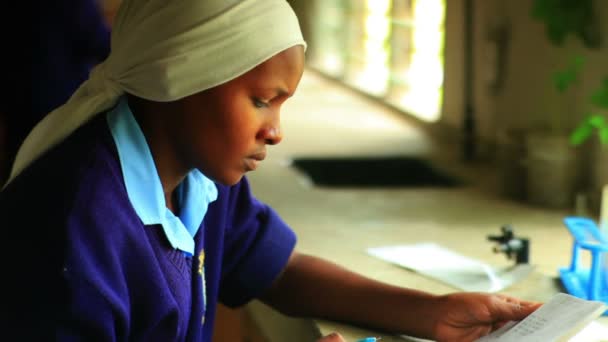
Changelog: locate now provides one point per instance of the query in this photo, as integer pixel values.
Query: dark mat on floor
(374, 172)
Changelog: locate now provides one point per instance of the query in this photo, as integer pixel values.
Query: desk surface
(341, 224)
(280, 328)
(536, 286)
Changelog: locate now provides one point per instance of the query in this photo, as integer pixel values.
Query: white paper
(454, 269)
(594, 332)
(557, 320)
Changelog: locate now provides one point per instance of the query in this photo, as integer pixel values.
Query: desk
(457, 219)
(279, 328)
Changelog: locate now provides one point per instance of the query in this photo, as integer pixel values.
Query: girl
(132, 213)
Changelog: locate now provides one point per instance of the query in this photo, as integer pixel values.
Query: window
(391, 49)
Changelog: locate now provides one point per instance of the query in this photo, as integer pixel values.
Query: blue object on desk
(369, 339)
(587, 283)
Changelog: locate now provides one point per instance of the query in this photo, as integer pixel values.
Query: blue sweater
(80, 265)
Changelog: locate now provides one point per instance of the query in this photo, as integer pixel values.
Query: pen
(369, 339)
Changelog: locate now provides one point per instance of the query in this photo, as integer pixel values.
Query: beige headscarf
(164, 50)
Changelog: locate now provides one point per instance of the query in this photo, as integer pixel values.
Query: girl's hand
(466, 317)
(333, 337)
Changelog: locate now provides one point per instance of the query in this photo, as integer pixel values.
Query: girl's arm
(313, 287)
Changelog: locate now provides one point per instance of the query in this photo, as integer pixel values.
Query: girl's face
(223, 131)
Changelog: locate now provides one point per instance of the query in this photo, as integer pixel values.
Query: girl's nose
(271, 135)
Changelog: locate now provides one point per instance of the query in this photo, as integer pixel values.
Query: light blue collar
(144, 187)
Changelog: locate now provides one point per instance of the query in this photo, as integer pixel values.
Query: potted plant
(553, 168)
(595, 123)
(552, 163)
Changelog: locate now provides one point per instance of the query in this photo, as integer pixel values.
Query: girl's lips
(258, 156)
(252, 162)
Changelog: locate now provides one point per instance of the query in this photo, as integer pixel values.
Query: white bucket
(552, 171)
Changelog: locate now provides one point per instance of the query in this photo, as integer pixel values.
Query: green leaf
(578, 62)
(562, 81)
(540, 8)
(600, 96)
(581, 134)
(564, 17)
(565, 78)
(596, 121)
(603, 133)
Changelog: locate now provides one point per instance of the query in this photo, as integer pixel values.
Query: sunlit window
(373, 71)
(391, 49)
(329, 36)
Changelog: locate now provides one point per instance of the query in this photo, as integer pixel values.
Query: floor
(324, 119)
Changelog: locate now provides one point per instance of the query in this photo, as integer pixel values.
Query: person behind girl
(50, 59)
(131, 215)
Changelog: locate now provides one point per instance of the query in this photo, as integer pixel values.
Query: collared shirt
(144, 187)
(118, 281)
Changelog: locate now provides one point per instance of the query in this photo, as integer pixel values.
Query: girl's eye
(259, 103)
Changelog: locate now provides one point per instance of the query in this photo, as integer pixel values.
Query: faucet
(512, 246)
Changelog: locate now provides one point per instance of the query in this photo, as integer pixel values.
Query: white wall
(526, 98)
